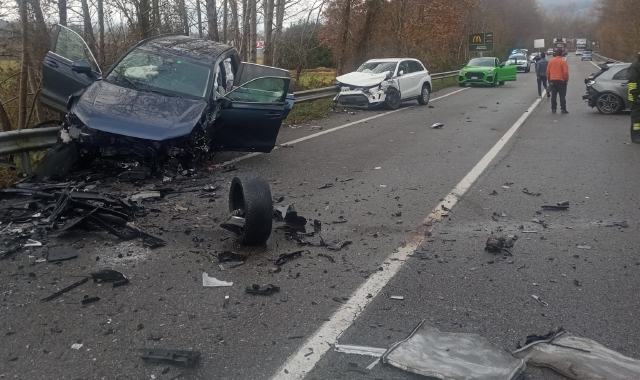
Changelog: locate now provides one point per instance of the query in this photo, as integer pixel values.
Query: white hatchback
(388, 81)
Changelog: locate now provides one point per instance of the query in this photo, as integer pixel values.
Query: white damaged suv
(388, 81)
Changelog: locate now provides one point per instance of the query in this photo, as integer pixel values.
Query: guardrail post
(25, 162)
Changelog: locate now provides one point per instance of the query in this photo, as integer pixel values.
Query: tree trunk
(22, 96)
(268, 32)
(199, 16)
(62, 12)
(42, 40)
(34, 84)
(225, 25)
(88, 29)
(277, 35)
(157, 23)
(212, 20)
(373, 6)
(143, 19)
(101, 53)
(245, 30)
(5, 122)
(344, 38)
(254, 31)
(235, 25)
(183, 16)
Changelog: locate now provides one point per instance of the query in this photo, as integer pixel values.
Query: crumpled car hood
(110, 108)
(362, 79)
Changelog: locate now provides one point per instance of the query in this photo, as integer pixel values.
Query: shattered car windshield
(376, 67)
(487, 62)
(147, 71)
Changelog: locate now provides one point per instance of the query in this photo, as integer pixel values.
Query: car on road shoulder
(607, 89)
(587, 55)
(520, 61)
(168, 97)
(388, 81)
(486, 70)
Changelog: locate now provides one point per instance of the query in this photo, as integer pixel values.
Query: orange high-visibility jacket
(558, 70)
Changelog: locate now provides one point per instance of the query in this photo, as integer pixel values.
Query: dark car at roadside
(168, 97)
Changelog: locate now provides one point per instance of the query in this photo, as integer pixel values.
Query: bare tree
(253, 12)
(224, 22)
(183, 16)
(199, 16)
(373, 7)
(88, 28)
(5, 122)
(269, 6)
(101, 53)
(234, 22)
(244, 43)
(344, 39)
(143, 18)
(277, 35)
(212, 20)
(157, 24)
(22, 96)
(62, 12)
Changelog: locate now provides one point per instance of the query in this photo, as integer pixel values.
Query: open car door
(507, 72)
(68, 67)
(251, 115)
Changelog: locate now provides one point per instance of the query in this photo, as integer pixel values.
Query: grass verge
(439, 84)
(309, 111)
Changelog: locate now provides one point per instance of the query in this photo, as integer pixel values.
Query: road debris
(264, 290)
(61, 254)
(88, 300)
(76, 346)
(355, 367)
(528, 192)
(429, 352)
(359, 350)
(564, 205)
(583, 246)
(401, 298)
(577, 358)
(497, 244)
(212, 282)
(68, 288)
(285, 257)
(110, 275)
(437, 126)
(623, 224)
(540, 301)
(177, 357)
(325, 186)
(339, 245)
(289, 215)
(228, 256)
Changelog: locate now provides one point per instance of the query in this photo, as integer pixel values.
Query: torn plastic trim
(359, 350)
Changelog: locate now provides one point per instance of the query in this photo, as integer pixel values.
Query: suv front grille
(476, 75)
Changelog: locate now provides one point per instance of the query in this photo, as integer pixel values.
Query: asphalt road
(395, 172)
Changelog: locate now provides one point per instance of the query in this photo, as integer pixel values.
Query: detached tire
(57, 161)
(250, 193)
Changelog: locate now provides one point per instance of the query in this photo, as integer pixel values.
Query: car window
(404, 66)
(71, 46)
(485, 62)
(163, 72)
(377, 67)
(415, 66)
(261, 90)
(621, 75)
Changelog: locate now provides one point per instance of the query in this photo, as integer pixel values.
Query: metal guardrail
(28, 140)
(605, 59)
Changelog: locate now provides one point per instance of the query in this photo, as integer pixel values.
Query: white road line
(314, 135)
(594, 64)
(300, 363)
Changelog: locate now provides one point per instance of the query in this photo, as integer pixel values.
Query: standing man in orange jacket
(558, 76)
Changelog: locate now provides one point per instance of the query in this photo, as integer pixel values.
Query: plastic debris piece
(429, 352)
(61, 292)
(88, 300)
(177, 357)
(541, 302)
(32, 243)
(583, 247)
(578, 358)
(264, 290)
(212, 282)
(227, 256)
(76, 346)
(325, 186)
(528, 192)
(397, 297)
(61, 253)
(359, 350)
(283, 258)
(145, 195)
(437, 126)
(555, 207)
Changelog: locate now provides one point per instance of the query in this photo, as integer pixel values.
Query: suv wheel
(393, 99)
(425, 95)
(609, 104)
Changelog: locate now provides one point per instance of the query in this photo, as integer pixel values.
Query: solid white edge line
(298, 365)
(314, 135)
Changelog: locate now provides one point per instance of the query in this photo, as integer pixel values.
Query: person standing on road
(558, 76)
(541, 73)
(634, 96)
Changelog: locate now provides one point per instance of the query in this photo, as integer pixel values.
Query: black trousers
(635, 112)
(558, 87)
(542, 81)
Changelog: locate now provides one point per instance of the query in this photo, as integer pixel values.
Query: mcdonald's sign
(481, 42)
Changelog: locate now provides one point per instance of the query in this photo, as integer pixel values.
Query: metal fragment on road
(583, 247)
(541, 302)
(397, 297)
(178, 357)
(437, 126)
(212, 282)
(76, 346)
(359, 350)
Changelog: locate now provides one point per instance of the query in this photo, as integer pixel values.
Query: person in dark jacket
(634, 96)
(541, 73)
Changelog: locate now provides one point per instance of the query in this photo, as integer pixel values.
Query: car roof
(197, 49)
(391, 59)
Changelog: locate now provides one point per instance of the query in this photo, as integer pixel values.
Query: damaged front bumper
(360, 97)
(591, 96)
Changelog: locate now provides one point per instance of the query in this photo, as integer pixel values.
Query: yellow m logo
(477, 39)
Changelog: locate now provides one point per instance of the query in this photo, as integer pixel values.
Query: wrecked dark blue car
(169, 97)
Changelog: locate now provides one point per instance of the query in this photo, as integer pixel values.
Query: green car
(487, 70)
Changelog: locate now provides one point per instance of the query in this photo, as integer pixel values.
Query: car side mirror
(401, 73)
(81, 66)
(503, 64)
(225, 102)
